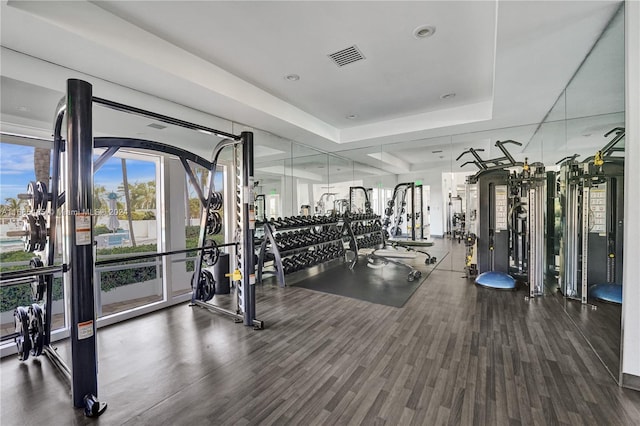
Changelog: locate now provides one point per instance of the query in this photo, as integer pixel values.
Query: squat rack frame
(78, 257)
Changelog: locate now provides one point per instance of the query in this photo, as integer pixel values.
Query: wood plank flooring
(455, 354)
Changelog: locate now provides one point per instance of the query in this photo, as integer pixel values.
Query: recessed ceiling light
(351, 116)
(292, 77)
(424, 31)
(448, 95)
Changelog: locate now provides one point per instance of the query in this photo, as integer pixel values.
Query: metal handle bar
(470, 151)
(568, 157)
(166, 253)
(23, 273)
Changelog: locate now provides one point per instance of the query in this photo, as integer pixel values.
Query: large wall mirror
(582, 140)
(295, 179)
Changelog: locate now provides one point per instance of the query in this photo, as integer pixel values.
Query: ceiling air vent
(346, 56)
(156, 126)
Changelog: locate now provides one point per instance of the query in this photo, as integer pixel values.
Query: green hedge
(10, 297)
(20, 295)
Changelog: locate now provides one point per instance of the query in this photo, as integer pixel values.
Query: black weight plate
(41, 189)
(211, 253)
(36, 329)
(38, 283)
(41, 231)
(21, 319)
(207, 285)
(31, 239)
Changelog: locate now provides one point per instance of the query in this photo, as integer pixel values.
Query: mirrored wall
(582, 139)
(294, 179)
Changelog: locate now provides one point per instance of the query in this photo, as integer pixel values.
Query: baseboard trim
(630, 381)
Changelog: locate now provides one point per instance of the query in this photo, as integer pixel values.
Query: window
(126, 222)
(18, 163)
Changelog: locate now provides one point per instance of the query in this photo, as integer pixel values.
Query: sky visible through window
(16, 171)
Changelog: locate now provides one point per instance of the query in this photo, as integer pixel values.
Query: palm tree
(143, 195)
(14, 207)
(41, 164)
(99, 201)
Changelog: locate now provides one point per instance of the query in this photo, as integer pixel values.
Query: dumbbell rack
(365, 231)
(300, 242)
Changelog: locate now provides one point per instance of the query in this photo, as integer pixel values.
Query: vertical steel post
(248, 222)
(79, 187)
(413, 211)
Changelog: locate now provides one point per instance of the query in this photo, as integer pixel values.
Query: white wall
(175, 215)
(631, 295)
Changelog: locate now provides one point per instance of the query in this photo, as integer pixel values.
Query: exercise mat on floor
(387, 285)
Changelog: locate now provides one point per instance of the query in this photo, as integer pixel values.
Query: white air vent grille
(347, 56)
(156, 126)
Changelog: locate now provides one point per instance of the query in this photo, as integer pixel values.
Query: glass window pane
(126, 222)
(18, 164)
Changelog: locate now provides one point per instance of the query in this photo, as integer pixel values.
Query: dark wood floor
(454, 354)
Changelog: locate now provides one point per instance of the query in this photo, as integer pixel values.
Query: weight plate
(211, 253)
(216, 200)
(207, 285)
(43, 195)
(30, 240)
(21, 319)
(214, 223)
(34, 199)
(38, 284)
(36, 329)
(41, 231)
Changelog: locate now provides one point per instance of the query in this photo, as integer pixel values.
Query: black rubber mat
(387, 285)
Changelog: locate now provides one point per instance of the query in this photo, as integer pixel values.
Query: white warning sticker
(83, 229)
(85, 330)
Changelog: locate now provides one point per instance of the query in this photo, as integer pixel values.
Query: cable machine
(72, 188)
(455, 218)
(405, 194)
(505, 221)
(353, 197)
(326, 200)
(592, 206)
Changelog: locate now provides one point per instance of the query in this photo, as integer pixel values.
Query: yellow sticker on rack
(85, 330)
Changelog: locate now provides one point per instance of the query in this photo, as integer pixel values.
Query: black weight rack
(300, 242)
(365, 231)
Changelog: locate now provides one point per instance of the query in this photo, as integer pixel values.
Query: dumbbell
(300, 262)
(414, 275)
(286, 266)
(322, 256)
(313, 258)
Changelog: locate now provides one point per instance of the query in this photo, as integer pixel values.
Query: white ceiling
(506, 61)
